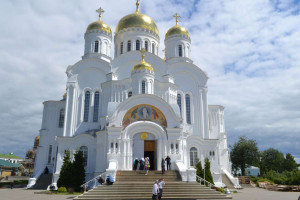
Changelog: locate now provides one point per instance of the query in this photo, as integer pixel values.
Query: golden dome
(143, 65)
(137, 20)
(99, 26)
(177, 30)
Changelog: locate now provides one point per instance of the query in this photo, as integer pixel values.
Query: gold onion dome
(143, 65)
(99, 25)
(137, 20)
(177, 30)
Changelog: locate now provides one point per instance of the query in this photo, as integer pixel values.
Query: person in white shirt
(155, 190)
(161, 184)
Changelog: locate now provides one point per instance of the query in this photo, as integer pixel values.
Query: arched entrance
(146, 139)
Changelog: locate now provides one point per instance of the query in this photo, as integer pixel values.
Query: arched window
(179, 101)
(86, 106)
(188, 108)
(129, 45)
(84, 151)
(193, 156)
(121, 48)
(61, 118)
(146, 45)
(129, 94)
(96, 107)
(180, 50)
(153, 48)
(96, 46)
(143, 87)
(138, 45)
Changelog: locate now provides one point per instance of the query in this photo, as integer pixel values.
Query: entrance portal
(149, 151)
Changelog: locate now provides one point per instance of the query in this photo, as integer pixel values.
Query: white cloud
(250, 50)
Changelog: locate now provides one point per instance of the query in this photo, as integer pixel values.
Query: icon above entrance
(144, 112)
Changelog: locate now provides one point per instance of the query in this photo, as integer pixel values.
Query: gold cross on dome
(143, 51)
(137, 5)
(100, 11)
(177, 17)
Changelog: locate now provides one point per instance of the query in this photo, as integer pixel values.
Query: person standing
(163, 166)
(168, 159)
(136, 162)
(161, 184)
(147, 165)
(142, 163)
(155, 190)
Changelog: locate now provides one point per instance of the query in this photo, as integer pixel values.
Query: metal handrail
(205, 182)
(94, 182)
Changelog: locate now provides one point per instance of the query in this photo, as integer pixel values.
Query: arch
(145, 126)
(180, 51)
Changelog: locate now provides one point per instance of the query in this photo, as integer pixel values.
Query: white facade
(95, 112)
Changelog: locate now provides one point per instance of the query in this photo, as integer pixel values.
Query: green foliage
(244, 153)
(284, 178)
(207, 175)
(65, 176)
(271, 159)
(289, 163)
(20, 182)
(78, 171)
(199, 169)
(62, 189)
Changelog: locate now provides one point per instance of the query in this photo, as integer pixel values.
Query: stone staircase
(136, 185)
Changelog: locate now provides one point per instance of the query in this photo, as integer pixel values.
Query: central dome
(137, 20)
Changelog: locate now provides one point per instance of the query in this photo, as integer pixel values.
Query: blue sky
(249, 48)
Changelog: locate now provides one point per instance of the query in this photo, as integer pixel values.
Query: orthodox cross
(100, 11)
(177, 17)
(137, 5)
(143, 51)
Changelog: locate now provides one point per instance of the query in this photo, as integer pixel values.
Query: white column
(201, 115)
(205, 113)
(69, 112)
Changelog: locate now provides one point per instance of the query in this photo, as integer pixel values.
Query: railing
(202, 181)
(93, 182)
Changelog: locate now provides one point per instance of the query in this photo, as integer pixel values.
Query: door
(149, 148)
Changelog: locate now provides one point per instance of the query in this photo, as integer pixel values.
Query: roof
(11, 156)
(4, 163)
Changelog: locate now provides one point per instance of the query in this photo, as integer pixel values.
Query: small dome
(99, 26)
(177, 30)
(137, 20)
(143, 66)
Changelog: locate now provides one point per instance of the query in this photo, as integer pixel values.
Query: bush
(62, 189)
(220, 190)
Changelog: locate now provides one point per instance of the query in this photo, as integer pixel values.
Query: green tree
(289, 163)
(271, 159)
(244, 153)
(199, 169)
(207, 172)
(78, 171)
(65, 175)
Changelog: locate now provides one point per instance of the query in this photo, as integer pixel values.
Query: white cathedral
(134, 104)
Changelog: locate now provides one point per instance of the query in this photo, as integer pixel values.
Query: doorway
(149, 151)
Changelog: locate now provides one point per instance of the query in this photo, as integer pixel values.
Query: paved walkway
(20, 193)
(244, 194)
(262, 194)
